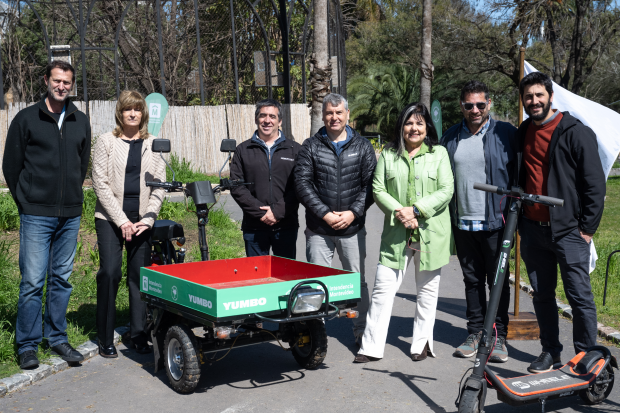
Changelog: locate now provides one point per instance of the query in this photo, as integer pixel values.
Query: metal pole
(162, 76)
(286, 58)
(518, 238)
(234, 41)
(83, 54)
(202, 89)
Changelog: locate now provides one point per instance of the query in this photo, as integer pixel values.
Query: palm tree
(380, 95)
(320, 70)
(377, 97)
(425, 55)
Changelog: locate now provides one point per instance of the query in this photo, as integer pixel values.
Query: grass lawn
(606, 240)
(224, 238)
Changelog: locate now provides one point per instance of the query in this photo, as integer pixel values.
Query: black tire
(310, 353)
(470, 401)
(181, 358)
(600, 389)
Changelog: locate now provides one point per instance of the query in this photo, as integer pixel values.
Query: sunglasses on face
(470, 106)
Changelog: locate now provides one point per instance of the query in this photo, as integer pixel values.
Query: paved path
(263, 378)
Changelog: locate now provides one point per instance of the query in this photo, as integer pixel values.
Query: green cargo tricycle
(200, 309)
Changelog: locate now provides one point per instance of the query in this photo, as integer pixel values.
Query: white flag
(603, 121)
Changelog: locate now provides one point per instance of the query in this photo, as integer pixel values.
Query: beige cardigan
(109, 163)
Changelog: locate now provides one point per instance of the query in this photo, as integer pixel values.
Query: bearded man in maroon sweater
(558, 156)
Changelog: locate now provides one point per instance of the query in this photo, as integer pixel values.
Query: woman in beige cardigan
(125, 212)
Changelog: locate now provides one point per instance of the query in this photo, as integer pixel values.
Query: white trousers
(387, 284)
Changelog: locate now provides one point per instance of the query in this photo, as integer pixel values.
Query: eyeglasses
(470, 106)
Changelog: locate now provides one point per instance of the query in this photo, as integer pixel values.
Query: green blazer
(390, 183)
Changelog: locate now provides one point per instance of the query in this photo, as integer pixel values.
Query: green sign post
(158, 109)
(436, 116)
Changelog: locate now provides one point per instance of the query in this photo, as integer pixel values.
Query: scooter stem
(503, 265)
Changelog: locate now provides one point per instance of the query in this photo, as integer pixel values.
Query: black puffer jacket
(326, 182)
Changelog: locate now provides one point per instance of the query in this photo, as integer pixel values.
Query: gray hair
(266, 103)
(335, 99)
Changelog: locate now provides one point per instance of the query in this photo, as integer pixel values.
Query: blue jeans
(283, 242)
(47, 248)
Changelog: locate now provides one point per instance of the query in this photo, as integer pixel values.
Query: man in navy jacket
(481, 149)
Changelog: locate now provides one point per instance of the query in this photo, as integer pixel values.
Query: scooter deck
(560, 382)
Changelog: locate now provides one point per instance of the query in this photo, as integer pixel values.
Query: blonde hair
(131, 99)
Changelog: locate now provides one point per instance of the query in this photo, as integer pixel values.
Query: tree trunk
(555, 47)
(320, 69)
(425, 63)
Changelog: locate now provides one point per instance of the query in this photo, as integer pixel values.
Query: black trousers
(478, 254)
(283, 242)
(110, 240)
(542, 253)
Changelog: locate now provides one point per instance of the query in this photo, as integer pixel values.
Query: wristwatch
(416, 211)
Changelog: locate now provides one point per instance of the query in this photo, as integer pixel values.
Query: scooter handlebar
(551, 200)
(489, 188)
(526, 197)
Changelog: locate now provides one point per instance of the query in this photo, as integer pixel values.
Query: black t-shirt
(131, 196)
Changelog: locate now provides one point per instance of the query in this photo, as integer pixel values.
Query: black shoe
(143, 348)
(28, 360)
(68, 353)
(108, 351)
(360, 358)
(422, 355)
(543, 363)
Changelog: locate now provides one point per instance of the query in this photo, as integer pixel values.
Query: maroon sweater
(536, 159)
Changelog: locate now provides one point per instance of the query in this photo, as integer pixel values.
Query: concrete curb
(608, 333)
(55, 364)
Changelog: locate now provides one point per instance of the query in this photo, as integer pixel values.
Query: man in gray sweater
(481, 149)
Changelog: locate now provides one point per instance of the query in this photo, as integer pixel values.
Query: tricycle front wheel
(181, 359)
(310, 345)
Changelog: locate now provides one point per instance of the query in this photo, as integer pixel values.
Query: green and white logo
(158, 109)
(506, 243)
(145, 283)
(175, 293)
(436, 116)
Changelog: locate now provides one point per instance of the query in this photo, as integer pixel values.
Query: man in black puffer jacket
(333, 180)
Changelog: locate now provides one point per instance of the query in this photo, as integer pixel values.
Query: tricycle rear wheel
(181, 358)
(310, 345)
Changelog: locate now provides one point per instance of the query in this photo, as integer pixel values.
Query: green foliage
(9, 215)
(88, 210)
(378, 97)
(184, 172)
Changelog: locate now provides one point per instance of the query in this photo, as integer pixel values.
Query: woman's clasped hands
(129, 229)
(406, 216)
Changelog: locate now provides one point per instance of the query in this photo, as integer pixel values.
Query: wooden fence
(195, 132)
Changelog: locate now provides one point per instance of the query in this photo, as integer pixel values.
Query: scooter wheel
(600, 389)
(180, 359)
(470, 401)
(310, 347)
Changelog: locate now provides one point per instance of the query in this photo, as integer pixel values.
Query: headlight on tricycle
(308, 300)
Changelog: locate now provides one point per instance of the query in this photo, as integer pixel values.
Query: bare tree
(425, 58)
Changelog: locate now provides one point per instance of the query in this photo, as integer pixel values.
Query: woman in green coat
(413, 184)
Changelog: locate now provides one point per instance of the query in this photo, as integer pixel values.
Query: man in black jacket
(45, 161)
(558, 156)
(333, 178)
(269, 205)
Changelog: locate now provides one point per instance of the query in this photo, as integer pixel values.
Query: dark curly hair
(419, 109)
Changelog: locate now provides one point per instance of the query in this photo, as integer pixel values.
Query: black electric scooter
(589, 374)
